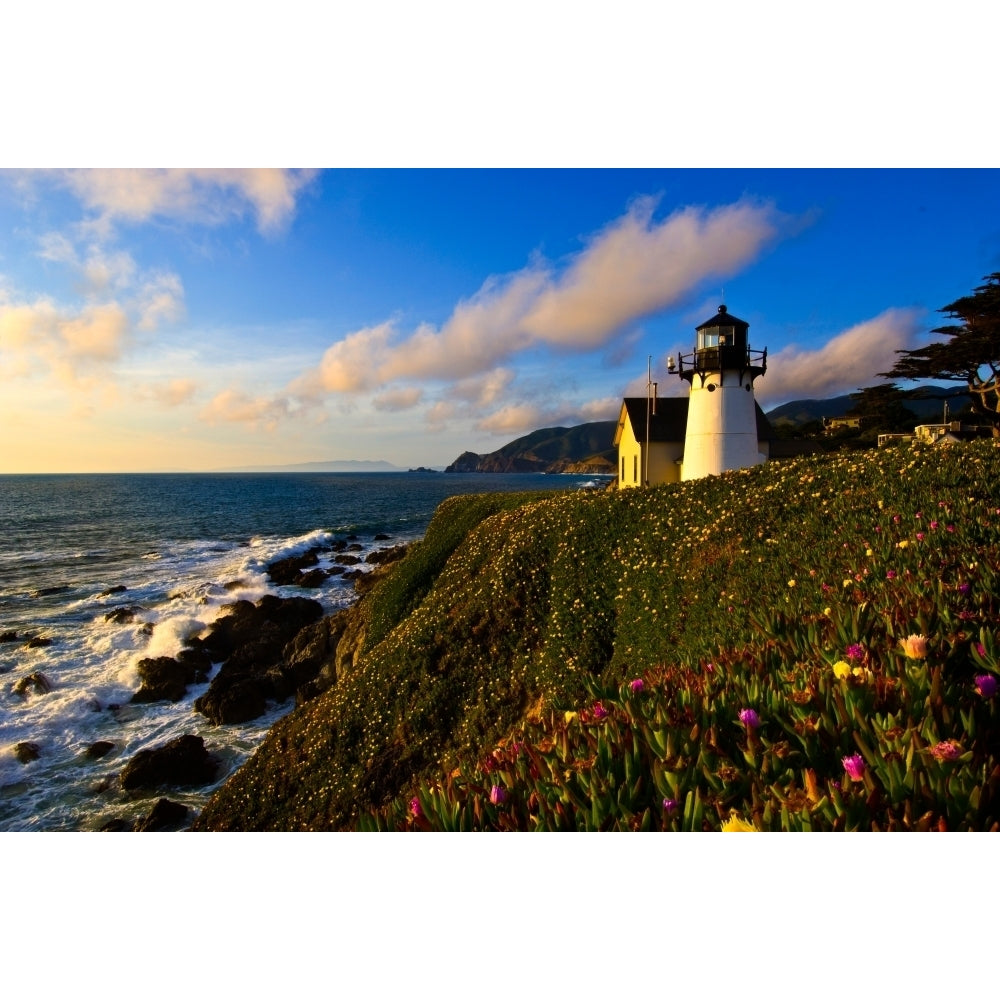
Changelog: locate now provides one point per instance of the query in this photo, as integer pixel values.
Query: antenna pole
(649, 386)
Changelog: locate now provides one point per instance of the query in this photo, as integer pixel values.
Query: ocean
(182, 547)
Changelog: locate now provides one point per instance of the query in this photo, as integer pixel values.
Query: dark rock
(338, 546)
(352, 538)
(122, 615)
(250, 640)
(147, 628)
(335, 571)
(27, 752)
(165, 678)
(36, 681)
(233, 585)
(346, 560)
(314, 578)
(119, 589)
(47, 591)
(98, 750)
(382, 537)
(182, 761)
(165, 815)
(9, 636)
(284, 571)
(38, 642)
(116, 825)
(386, 555)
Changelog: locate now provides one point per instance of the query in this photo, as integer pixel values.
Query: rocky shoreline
(265, 652)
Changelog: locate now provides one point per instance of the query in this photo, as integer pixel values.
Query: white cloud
(170, 394)
(634, 267)
(843, 364)
(210, 196)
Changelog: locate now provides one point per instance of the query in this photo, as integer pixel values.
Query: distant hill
(926, 403)
(585, 448)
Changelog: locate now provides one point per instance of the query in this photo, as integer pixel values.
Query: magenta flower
(416, 810)
(933, 525)
(600, 712)
(920, 536)
(855, 651)
(637, 685)
(498, 795)
(980, 649)
(986, 685)
(749, 718)
(946, 750)
(669, 805)
(855, 767)
(891, 575)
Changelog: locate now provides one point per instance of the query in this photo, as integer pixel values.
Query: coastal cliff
(803, 645)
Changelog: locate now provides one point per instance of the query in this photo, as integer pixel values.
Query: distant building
(833, 424)
(950, 432)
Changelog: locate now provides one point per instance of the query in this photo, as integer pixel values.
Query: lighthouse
(722, 422)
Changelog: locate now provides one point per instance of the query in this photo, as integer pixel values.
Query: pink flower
(669, 805)
(914, 646)
(600, 712)
(920, 536)
(946, 750)
(933, 525)
(855, 651)
(891, 575)
(854, 766)
(749, 718)
(986, 685)
(498, 795)
(416, 810)
(637, 685)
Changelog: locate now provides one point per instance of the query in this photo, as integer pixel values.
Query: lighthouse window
(708, 338)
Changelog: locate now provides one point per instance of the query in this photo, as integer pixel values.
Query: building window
(635, 468)
(623, 468)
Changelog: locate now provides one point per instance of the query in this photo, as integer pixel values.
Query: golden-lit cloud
(41, 338)
(210, 196)
(843, 364)
(634, 267)
(176, 392)
(236, 407)
(394, 400)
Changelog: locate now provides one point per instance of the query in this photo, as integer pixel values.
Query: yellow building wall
(663, 456)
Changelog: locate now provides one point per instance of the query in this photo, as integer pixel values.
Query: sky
(193, 319)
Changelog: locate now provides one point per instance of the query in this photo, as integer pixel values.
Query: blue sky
(197, 319)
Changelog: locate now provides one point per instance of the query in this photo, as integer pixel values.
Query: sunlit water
(183, 546)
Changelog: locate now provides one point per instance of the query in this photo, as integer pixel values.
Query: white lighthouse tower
(722, 414)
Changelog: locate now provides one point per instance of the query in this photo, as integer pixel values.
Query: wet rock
(382, 537)
(8, 636)
(338, 546)
(166, 678)
(250, 640)
(116, 825)
(234, 584)
(346, 560)
(119, 589)
(147, 628)
(284, 571)
(313, 579)
(356, 547)
(98, 750)
(165, 815)
(27, 752)
(122, 615)
(36, 682)
(48, 591)
(183, 761)
(38, 642)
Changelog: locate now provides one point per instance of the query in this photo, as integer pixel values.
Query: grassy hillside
(727, 651)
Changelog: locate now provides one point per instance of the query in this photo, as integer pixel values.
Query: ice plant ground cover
(816, 640)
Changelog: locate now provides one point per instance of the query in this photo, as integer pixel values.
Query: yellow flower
(862, 673)
(869, 552)
(569, 717)
(902, 544)
(736, 825)
(791, 583)
(842, 670)
(828, 612)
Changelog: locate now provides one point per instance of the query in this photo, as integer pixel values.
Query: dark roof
(669, 422)
(723, 318)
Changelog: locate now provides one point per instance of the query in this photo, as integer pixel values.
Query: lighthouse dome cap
(723, 318)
